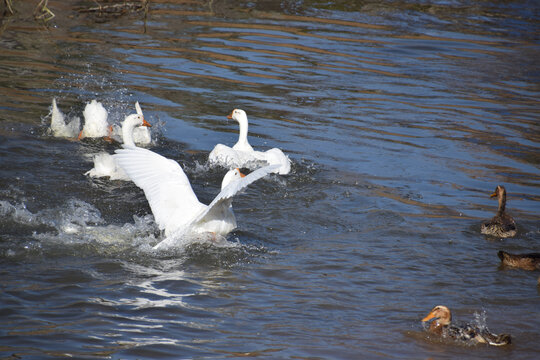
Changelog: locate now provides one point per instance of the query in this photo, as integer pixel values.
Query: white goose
(104, 164)
(175, 206)
(243, 155)
(59, 127)
(95, 121)
(141, 135)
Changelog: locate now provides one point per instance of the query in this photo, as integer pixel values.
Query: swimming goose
(175, 206)
(470, 333)
(141, 135)
(523, 261)
(502, 224)
(95, 121)
(59, 127)
(104, 164)
(242, 154)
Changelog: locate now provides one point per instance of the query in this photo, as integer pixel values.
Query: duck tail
(497, 340)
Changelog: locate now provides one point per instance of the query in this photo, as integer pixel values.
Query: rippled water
(400, 119)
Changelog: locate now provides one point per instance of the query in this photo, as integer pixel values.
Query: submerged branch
(102, 8)
(116, 9)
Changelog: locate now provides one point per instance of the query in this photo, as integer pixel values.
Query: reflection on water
(400, 119)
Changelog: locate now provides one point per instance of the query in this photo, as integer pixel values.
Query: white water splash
(18, 213)
(480, 320)
(80, 223)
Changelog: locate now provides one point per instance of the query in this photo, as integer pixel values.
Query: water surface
(400, 120)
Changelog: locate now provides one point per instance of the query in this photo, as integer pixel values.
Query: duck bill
(146, 123)
(493, 195)
(428, 317)
(229, 116)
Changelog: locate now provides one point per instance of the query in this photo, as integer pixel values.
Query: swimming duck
(502, 224)
(470, 333)
(59, 127)
(242, 154)
(104, 164)
(523, 261)
(175, 206)
(95, 121)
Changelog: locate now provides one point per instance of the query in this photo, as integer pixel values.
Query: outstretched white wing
(221, 202)
(165, 185)
(224, 156)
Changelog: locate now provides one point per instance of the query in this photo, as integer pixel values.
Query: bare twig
(9, 6)
(42, 12)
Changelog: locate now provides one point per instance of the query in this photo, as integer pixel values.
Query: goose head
(130, 123)
(230, 176)
(441, 313)
(134, 120)
(239, 116)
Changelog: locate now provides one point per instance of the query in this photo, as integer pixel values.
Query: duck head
(441, 313)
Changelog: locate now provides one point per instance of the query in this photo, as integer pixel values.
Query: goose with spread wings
(172, 200)
(243, 155)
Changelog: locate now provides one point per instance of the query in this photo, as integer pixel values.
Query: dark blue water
(400, 120)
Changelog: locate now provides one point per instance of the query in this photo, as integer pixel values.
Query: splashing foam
(480, 320)
(80, 223)
(18, 213)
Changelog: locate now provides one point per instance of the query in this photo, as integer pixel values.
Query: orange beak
(230, 115)
(241, 174)
(493, 195)
(80, 135)
(146, 123)
(108, 138)
(428, 317)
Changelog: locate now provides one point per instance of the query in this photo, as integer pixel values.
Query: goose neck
(242, 143)
(127, 133)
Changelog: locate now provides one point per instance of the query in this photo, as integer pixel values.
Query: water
(400, 120)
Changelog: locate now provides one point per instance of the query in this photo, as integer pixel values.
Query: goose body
(95, 121)
(442, 326)
(243, 155)
(59, 127)
(502, 224)
(523, 261)
(104, 164)
(174, 205)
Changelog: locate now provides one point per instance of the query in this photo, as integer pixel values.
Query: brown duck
(502, 224)
(443, 327)
(523, 261)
